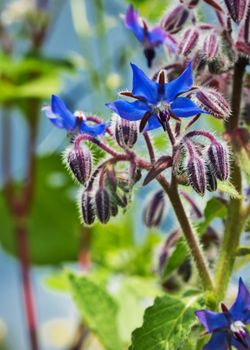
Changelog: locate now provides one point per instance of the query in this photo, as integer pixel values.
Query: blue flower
(150, 38)
(156, 101)
(228, 328)
(62, 118)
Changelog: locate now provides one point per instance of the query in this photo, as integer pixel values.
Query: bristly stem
(149, 146)
(235, 220)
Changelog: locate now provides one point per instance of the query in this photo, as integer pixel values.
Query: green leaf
(152, 10)
(166, 326)
(228, 188)
(98, 310)
(243, 250)
(215, 208)
(178, 256)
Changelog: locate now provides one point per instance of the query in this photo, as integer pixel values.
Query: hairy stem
(235, 220)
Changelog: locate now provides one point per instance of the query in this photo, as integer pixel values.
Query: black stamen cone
(150, 55)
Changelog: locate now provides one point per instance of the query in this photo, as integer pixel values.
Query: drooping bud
(211, 45)
(236, 9)
(102, 202)
(212, 102)
(197, 174)
(189, 41)
(126, 132)
(154, 210)
(113, 208)
(88, 207)
(175, 19)
(211, 181)
(79, 161)
(190, 3)
(219, 162)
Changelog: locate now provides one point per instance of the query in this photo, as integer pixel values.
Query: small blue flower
(62, 118)
(155, 101)
(150, 38)
(228, 328)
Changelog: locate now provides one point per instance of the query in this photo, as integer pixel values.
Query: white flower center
(162, 106)
(238, 327)
(80, 115)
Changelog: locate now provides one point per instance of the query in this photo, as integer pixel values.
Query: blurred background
(80, 50)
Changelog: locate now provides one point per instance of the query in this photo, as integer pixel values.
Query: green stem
(190, 235)
(235, 219)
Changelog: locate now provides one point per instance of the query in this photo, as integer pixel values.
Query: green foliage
(152, 10)
(53, 237)
(167, 325)
(178, 256)
(228, 188)
(97, 309)
(215, 208)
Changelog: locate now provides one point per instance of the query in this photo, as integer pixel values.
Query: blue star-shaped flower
(149, 37)
(228, 328)
(157, 101)
(62, 118)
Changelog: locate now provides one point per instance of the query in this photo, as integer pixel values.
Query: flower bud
(197, 174)
(113, 208)
(189, 41)
(211, 181)
(211, 45)
(218, 157)
(87, 207)
(212, 102)
(79, 161)
(126, 132)
(236, 9)
(190, 3)
(154, 210)
(102, 202)
(175, 19)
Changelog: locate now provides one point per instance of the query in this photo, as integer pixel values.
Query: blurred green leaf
(98, 310)
(53, 236)
(215, 208)
(152, 10)
(167, 324)
(178, 256)
(228, 188)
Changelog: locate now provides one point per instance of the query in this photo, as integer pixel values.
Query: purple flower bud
(236, 9)
(211, 181)
(88, 207)
(154, 210)
(189, 41)
(79, 161)
(126, 132)
(113, 209)
(174, 20)
(197, 174)
(212, 102)
(218, 158)
(102, 202)
(190, 3)
(211, 45)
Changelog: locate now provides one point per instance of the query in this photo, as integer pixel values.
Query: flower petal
(92, 130)
(129, 110)
(132, 23)
(153, 123)
(183, 83)
(239, 345)
(240, 309)
(212, 320)
(58, 107)
(218, 341)
(184, 107)
(156, 36)
(143, 86)
(54, 118)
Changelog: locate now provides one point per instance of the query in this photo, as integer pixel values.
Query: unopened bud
(211, 181)
(218, 157)
(79, 161)
(236, 9)
(212, 102)
(102, 202)
(189, 41)
(175, 19)
(211, 45)
(190, 3)
(113, 208)
(87, 207)
(126, 132)
(154, 210)
(197, 174)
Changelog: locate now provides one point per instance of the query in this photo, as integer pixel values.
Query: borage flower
(150, 38)
(62, 118)
(156, 101)
(228, 328)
